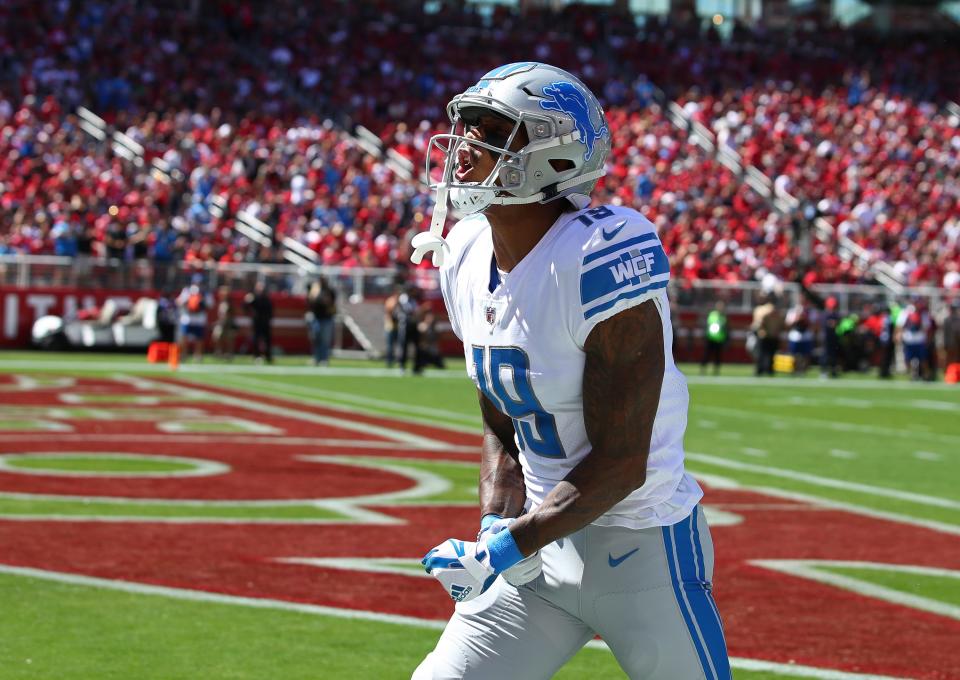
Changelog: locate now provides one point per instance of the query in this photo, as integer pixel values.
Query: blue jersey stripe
(697, 590)
(698, 550)
(643, 238)
(624, 296)
(675, 580)
(631, 268)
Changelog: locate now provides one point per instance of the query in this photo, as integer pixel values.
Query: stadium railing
(358, 283)
(41, 271)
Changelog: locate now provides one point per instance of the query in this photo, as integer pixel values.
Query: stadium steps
(364, 320)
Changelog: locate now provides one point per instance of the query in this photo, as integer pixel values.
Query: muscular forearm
(501, 480)
(585, 494)
(623, 352)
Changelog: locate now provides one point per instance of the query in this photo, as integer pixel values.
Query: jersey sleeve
(458, 242)
(447, 279)
(620, 264)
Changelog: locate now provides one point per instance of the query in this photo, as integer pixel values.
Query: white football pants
(646, 592)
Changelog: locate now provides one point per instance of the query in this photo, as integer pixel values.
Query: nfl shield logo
(491, 314)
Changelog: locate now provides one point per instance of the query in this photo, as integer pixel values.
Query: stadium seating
(250, 115)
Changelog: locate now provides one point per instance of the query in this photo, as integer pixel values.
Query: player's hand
(465, 569)
(523, 571)
(456, 565)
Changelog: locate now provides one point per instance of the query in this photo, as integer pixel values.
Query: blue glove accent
(489, 519)
(504, 552)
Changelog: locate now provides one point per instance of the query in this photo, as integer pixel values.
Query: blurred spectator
(716, 334)
(951, 342)
(193, 303)
(260, 308)
(830, 357)
(321, 312)
(913, 337)
(390, 325)
(887, 338)
(408, 333)
(800, 337)
(767, 325)
(167, 317)
(224, 326)
(429, 350)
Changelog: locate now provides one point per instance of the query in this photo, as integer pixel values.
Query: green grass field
(891, 449)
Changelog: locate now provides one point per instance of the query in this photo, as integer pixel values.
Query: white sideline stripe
(921, 499)
(448, 374)
(927, 455)
(243, 424)
(249, 440)
(828, 424)
(934, 405)
(366, 428)
(757, 453)
(379, 565)
(793, 670)
(808, 569)
(792, 383)
(217, 598)
(840, 453)
(280, 390)
(356, 398)
(219, 369)
(821, 503)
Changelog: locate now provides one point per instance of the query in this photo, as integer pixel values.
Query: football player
(589, 523)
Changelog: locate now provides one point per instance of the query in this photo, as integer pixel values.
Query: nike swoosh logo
(609, 235)
(615, 561)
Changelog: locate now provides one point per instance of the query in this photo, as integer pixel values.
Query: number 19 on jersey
(498, 370)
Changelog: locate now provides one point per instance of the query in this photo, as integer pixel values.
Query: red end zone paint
(767, 615)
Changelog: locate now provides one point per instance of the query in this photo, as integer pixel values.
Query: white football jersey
(524, 333)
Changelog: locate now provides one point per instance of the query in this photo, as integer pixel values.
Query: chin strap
(432, 241)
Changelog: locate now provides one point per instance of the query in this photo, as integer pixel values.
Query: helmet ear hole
(561, 164)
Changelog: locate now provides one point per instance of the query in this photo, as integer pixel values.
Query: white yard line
(840, 453)
(793, 383)
(249, 440)
(828, 482)
(376, 565)
(808, 569)
(754, 415)
(7, 365)
(339, 423)
(323, 394)
(756, 453)
(821, 503)
(185, 594)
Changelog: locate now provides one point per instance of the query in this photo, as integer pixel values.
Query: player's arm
(622, 377)
(501, 479)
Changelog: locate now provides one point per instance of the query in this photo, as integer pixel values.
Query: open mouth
(464, 164)
(463, 169)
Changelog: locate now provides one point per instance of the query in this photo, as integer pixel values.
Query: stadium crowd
(249, 115)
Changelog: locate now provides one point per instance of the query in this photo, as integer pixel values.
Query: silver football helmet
(568, 143)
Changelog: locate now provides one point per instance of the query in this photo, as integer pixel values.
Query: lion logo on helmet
(569, 99)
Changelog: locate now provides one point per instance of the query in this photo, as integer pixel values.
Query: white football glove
(523, 571)
(463, 568)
